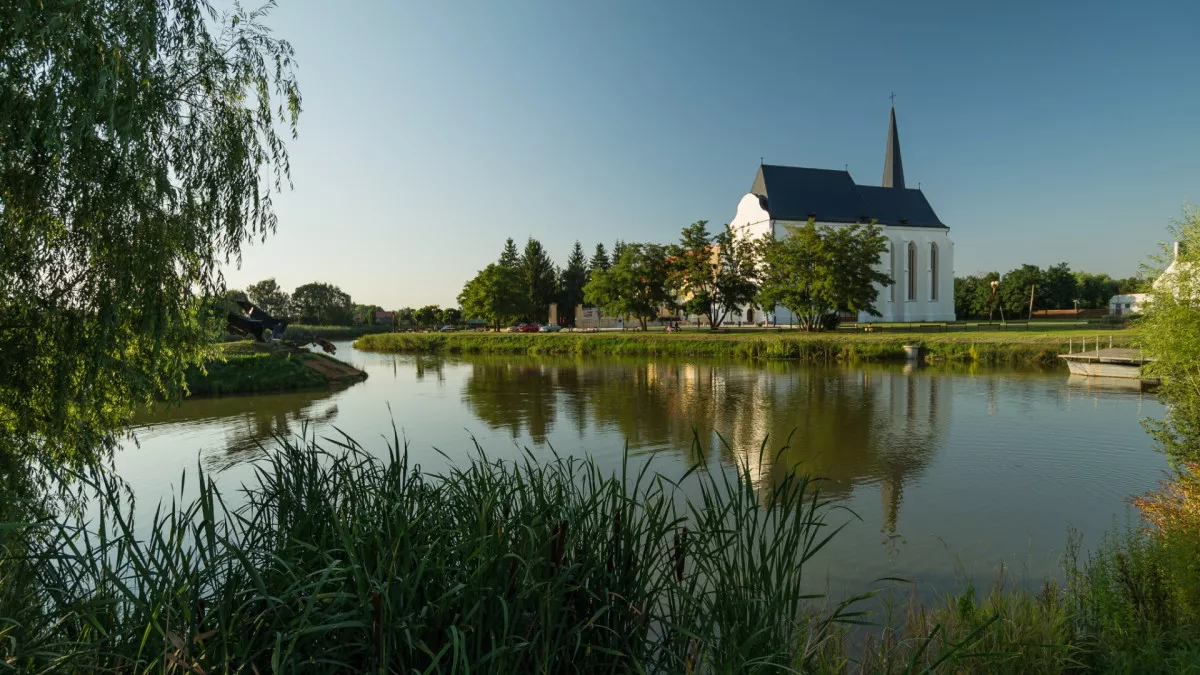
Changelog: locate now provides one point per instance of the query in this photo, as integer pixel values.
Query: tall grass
(338, 561)
(990, 350)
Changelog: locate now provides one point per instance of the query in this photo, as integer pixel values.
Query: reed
(338, 561)
(992, 349)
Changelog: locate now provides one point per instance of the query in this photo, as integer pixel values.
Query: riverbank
(248, 367)
(541, 567)
(991, 348)
(302, 332)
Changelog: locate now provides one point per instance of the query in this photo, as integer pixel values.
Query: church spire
(893, 169)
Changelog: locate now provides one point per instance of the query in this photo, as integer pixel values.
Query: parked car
(516, 327)
(528, 328)
(551, 328)
(447, 329)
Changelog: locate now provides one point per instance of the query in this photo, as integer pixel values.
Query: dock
(1111, 362)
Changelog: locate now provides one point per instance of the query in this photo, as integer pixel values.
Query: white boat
(1119, 363)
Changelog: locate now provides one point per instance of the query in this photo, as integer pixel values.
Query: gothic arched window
(892, 272)
(933, 272)
(912, 270)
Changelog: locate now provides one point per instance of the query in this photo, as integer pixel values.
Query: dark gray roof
(795, 193)
(893, 168)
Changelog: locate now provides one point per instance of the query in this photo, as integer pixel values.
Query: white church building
(920, 256)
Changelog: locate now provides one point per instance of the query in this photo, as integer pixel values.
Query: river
(952, 471)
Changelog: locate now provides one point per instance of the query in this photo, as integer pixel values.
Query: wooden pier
(1111, 362)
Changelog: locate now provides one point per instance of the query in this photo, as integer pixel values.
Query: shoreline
(1033, 348)
(246, 368)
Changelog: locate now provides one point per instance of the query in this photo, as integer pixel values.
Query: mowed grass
(1013, 346)
(248, 367)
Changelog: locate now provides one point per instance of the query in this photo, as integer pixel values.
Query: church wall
(753, 221)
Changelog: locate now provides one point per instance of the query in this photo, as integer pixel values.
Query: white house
(920, 256)
(1124, 305)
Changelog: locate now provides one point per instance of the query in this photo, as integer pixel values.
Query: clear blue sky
(1039, 131)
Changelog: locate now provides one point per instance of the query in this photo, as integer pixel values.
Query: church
(920, 255)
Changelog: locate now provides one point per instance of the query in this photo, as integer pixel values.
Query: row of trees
(1055, 287)
(813, 271)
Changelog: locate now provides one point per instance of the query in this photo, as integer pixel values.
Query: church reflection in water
(849, 426)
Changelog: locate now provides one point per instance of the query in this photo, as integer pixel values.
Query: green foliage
(138, 147)
(635, 285)
(320, 303)
(297, 331)
(973, 296)
(713, 275)
(1015, 289)
(1039, 349)
(406, 317)
(494, 295)
(250, 368)
(574, 278)
(510, 257)
(451, 316)
(1058, 289)
(1171, 335)
(427, 316)
(342, 562)
(599, 261)
(539, 278)
(269, 297)
(1095, 290)
(364, 313)
(817, 271)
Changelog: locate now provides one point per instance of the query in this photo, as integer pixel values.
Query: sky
(1039, 131)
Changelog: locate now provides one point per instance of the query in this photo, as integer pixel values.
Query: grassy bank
(340, 562)
(303, 332)
(248, 367)
(1024, 347)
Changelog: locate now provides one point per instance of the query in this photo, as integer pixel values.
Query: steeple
(893, 169)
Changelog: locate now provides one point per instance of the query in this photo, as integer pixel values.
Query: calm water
(948, 469)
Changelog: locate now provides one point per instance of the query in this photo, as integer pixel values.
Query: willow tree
(140, 142)
(1170, 334)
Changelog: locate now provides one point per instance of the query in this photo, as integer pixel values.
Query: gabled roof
(796, 193)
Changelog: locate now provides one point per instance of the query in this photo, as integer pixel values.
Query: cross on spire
(893, 97)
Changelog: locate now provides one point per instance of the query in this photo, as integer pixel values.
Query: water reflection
(244, 424)
(875, 425)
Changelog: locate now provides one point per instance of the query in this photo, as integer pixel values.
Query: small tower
(893, 169)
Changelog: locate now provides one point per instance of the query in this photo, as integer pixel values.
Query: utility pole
(1031, 287)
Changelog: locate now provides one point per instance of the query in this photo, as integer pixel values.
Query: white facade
(1122, 305)
(920, 260)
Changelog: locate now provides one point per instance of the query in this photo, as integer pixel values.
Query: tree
(364, 314)
(712, 275)
(139, 143)
(540, 279)
(321, 304)
(599, 261)
(818, 271)
(269, 297)
(1094, 290)
(452, 316)
(574, 278)
(617, 249)
(494, 295)
(1130, 285)
(427, 315)
(1171, 336)
(406, 316)
(1015, 289)
(973, 296)
(1059, 288)
(510, 257)
(634, 285)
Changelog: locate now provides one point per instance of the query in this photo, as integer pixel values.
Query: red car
(528, 328)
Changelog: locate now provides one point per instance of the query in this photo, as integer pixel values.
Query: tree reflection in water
(248, 423)
(850, 426)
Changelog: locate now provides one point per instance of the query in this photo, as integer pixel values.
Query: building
(920, 256)
(385, 318)
(1124, 305)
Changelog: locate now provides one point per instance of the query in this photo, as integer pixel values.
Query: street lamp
(1076, 301)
